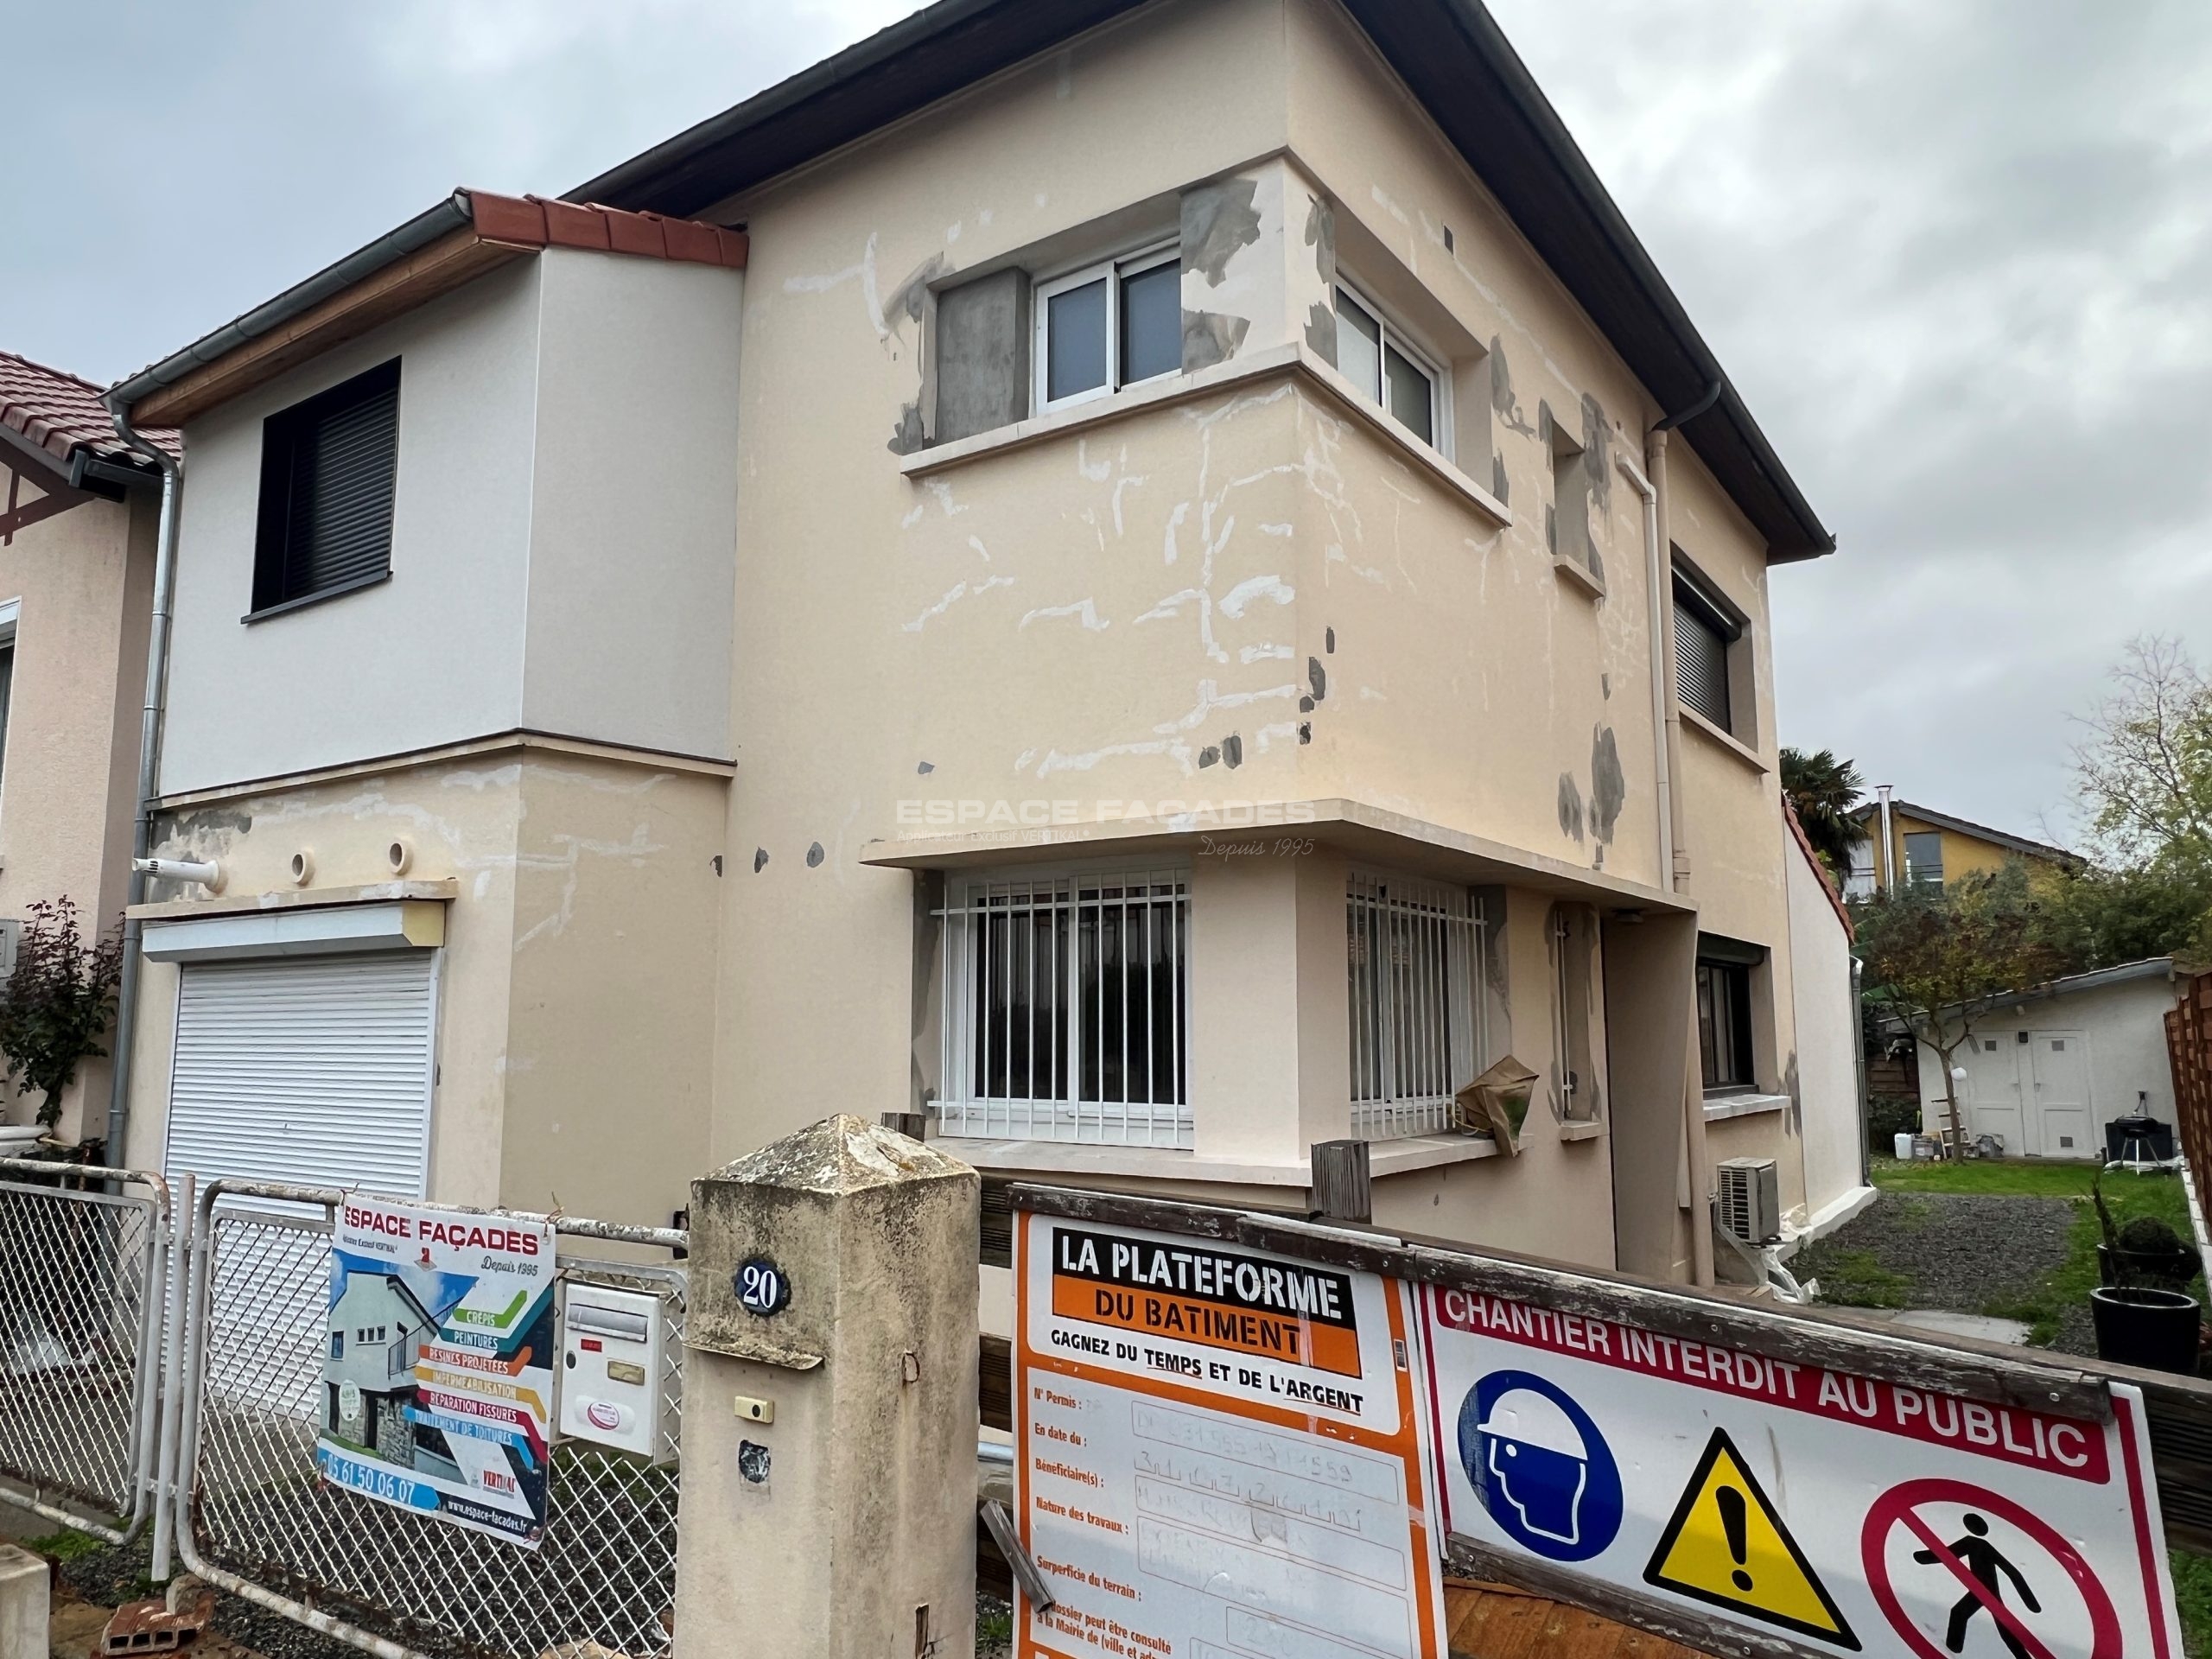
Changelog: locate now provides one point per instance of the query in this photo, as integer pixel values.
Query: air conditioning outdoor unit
(1751, 1200)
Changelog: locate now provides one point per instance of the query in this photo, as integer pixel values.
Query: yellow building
(1924, 846)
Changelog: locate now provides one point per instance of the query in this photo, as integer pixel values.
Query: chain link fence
(81, 1277)
(261, 1523)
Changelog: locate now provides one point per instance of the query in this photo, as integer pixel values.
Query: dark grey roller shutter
(343, 470)
(1701, 642)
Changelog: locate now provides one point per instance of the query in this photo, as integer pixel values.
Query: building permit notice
(437, 1390)
(1219, 1452)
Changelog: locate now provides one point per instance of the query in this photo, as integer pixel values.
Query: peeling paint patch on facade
(1501, 392)
(760, 859)
(1570, 807)
(814, 855)
(907, 434)
(1318, 677)
(1210, 338)
(1210, 756)
(1218, 220)
(1608, 787)
(1232, 750)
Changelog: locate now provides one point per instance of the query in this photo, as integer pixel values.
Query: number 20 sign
(761, 1288)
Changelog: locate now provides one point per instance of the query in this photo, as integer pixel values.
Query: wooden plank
(1952, 1365)
(457, 257)
(994, 1383)
(1342, 1186)
(1466, 1558)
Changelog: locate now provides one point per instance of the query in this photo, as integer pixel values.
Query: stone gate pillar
(829, 1402)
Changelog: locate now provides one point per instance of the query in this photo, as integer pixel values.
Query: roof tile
(60, 414)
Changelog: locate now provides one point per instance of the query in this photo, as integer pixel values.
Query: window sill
(1718, 1106)
(1170, 390)
(1727, 740)
(1578, 575)
(1412, 1152)
(317, 597)
(1088, 1158)
(1581, 1129)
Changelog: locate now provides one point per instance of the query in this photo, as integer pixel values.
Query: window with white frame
(1066, 1007)
(1109, 325)
(1414, 965)
(1388, 369)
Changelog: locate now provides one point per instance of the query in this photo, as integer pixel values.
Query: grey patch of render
(1608, 787)
(1605, 686)
(1791, 1087)
(1498, 487)
(911, 295)
(925, 768)
(929, 922)
(1318, 677)
(1570, 807)
(1320, 333)
(1216, 220)
(1329, 641)
(1596, 451)
(1232, 750)
(760, 859)
(908, 434)
(1305, 705)
(1210, 337)
(1304, 731)
(1500, 391)
(982, 355)
(1210, 756)
(815, 855)
(1321, 319)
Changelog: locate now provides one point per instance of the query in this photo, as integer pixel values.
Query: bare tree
(2143, 768)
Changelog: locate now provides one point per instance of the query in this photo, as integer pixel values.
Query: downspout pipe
(1655, 463)
(1655, 572)
(150, 766)
(1889, 843)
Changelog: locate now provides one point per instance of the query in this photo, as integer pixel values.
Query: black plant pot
(2161, 1269)
(2156, 1329)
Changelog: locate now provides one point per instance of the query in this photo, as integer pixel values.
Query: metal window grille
(1418, 1035)
(1066, 1007)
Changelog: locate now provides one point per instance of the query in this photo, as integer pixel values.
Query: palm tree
(1823, 791)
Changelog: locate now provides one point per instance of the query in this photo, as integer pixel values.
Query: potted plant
(2143, 1314)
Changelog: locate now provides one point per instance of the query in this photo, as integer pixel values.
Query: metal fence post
(829, 1482)
(167, 1501)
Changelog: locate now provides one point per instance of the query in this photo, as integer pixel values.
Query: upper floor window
(1109, 326)
(1415, 951)
(1705, 635)
(328, 468)
(1388, 369)
(1066, 1007)
(7, 614)
(1923, 857)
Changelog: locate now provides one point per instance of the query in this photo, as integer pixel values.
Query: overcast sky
(1958, 257)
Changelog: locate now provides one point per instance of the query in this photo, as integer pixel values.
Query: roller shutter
(1703, 637)
(314, 1071)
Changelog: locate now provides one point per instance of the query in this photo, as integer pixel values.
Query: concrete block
(23, 1604)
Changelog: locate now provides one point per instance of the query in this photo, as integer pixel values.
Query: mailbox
(613, 1347)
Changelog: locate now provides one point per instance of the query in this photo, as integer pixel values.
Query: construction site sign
(1218, 1452)
(438, 1376)
(1838, 1513)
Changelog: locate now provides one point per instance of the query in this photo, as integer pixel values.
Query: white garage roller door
(315, 1071)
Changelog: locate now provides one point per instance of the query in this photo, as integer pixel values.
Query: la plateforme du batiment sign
(437, 1390)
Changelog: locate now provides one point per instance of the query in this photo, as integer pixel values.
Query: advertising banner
(437, 1389)
(1840, 1513)
(1219, 1452)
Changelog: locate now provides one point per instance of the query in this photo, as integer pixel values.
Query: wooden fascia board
(422, 276)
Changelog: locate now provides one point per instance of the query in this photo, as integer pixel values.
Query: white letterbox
(613, 1344)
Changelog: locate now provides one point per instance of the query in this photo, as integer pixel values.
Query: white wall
(562, 534)
(1827, 1037)
(634, 515)
(2124, 1027)
(431, 656)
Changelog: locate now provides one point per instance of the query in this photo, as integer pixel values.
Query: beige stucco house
(78, 509)
(1153, 584)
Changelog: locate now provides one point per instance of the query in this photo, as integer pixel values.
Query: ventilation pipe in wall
(149, 759)
(1659, 542)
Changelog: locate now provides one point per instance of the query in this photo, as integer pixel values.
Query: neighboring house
(2049, 1067)
(377, 1328)
(1149, 654)
(1927, 847)
(78, 510)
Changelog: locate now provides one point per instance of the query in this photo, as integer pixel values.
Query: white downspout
(1655, 576)
(1889, 841)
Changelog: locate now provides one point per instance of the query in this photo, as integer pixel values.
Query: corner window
(328, 468)
(1705, 634)
(1109, 326)
(1066, 1007)
(1723, 1013)
(1416, 951)
(1923, 857)
(1387, 369)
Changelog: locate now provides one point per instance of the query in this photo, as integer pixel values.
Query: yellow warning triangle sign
(1727, 1547)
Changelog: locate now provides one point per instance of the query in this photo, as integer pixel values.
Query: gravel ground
(1965, 1252)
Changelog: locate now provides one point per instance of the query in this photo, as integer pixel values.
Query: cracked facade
(775, 668)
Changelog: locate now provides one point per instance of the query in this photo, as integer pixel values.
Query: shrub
(1889, 1116)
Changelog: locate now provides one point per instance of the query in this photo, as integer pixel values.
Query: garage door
(315, 1071)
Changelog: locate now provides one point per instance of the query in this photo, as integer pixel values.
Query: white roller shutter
(314, 1071)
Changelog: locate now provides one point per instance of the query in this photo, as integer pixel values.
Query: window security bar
(1417, 1016)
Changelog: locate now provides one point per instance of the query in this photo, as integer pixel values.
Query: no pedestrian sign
(1840, 1513)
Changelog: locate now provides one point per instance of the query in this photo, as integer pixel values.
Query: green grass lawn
(1864, 1283)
